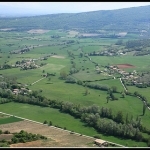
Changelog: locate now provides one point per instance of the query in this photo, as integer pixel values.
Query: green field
(62, 120)
(41, 114)
(7, 120)
(67, 50)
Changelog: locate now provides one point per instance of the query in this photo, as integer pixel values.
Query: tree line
(102, 119)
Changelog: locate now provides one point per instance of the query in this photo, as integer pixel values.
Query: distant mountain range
(127, 19)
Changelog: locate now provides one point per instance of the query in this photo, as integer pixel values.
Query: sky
(63, 7)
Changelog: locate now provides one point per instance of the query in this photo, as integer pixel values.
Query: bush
(50, 123)
(3, 140)
(6, 132)
(45, 122)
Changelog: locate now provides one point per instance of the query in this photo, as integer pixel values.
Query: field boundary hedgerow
(59, 128)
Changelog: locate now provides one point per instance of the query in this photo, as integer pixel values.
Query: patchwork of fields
(63, 58)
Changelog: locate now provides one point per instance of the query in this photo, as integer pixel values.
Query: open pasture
(143, 91)
(49, 114)
(57, 118)
(8, 119)
(84, 76)
(138, 61)
(111, 83)
(54, 88)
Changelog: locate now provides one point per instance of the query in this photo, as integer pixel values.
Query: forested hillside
(128, 19)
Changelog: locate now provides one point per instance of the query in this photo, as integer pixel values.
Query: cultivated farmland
(79, 81)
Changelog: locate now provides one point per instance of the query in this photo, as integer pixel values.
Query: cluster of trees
(97, 86)
(71, 54)
(91, 115)
(55, 36)
(70, 79)
(21, 137)
(74, 70)
(70, 41)
(138, 44)
(141, 53)
(5, 66)
(20, 51)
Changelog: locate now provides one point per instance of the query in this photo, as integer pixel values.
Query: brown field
(6, 137)
(56, 137)
(39, 31)
(125, 66)
(56, 56)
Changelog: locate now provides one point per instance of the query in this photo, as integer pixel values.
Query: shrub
(6, 132)
(50, 123)
(45, 122)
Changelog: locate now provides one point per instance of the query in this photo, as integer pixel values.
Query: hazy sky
(66, 7)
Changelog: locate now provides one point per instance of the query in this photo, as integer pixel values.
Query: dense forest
(134, 19)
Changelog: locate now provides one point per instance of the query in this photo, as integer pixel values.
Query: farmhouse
(16, 91)
(100, 142)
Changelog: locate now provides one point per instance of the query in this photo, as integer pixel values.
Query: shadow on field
(49, 83)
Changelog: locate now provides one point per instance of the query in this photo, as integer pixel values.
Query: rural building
(100, 142)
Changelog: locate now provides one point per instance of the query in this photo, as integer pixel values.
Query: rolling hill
(129, 19)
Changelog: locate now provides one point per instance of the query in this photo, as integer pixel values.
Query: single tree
(107, 98)
(144, 109)
(114, 89)
(119, 117)
(123, 94)
(50, 123)
(86, 91)
(45, 122)
(63, 74)
(127, 119)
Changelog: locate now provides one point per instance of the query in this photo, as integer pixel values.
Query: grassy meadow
(62, 120)
(5, 120)
(56, 88)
